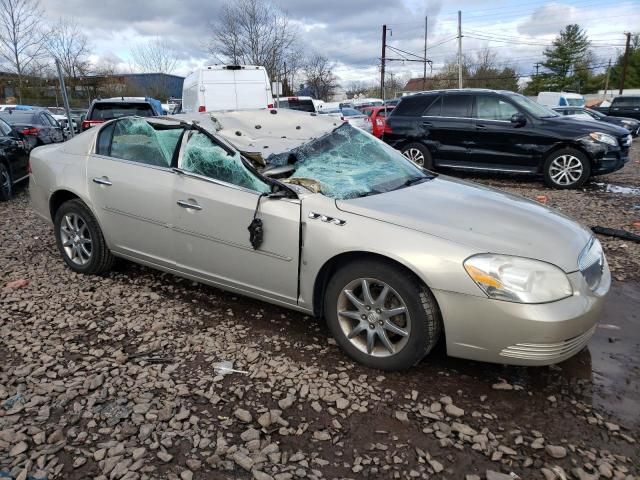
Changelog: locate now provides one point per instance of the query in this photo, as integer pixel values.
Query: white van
(560, 99)
(226, 87)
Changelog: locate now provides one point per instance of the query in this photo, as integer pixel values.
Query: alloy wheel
(566, 170)
(374, 317)
(415, 155)
(76, 239)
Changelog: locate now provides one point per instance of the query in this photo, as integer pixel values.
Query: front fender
(436, 261)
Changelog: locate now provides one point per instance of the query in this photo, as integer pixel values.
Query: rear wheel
(566, 168)
(6, 187)
(381, 315)
(418, 154)
(80, 239)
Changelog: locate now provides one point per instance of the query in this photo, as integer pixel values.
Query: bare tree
(67, 43)
(253, 32)
(20, 35)
(319, 76)
(358, 87)
(154, 56)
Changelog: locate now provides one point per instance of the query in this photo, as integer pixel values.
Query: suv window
(203, 156)
(626, 102)
(434, 109)
(413, 106)
(136, 140)
(297, 104)
(489, 107)
(109, 111)
(456, 106)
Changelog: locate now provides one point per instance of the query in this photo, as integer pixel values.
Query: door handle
(102, 181)
(427, 124)
(481, 127)
(193, 206)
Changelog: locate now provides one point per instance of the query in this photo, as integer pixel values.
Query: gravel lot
(113, 377)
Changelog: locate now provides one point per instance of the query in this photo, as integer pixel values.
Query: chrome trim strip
(21, 178)
(487, 169)
(136, 217)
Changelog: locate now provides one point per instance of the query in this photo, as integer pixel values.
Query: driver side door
(215, 198)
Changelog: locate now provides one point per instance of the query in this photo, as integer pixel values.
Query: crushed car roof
(263, 132)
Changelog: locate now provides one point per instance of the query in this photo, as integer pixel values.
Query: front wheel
(381, 315)
(6, 187)
(566, 168)
(418, 154)
(80, 239)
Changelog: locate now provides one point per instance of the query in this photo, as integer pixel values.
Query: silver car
(312, 214)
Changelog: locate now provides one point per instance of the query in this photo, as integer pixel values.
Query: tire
(6, 183)
(418, 154)
(421, 327)
(73, 225)
(566, 168)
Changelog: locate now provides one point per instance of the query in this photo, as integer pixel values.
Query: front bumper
(479, 328)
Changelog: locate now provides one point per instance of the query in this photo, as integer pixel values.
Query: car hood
(480, 217)
(586, 126)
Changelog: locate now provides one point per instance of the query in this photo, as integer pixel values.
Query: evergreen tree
(633, 69)
(567, 60)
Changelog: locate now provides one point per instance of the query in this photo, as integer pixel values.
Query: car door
(215, 200)
(498, 143)
(449, 123)
(130, 183)
(56, 132)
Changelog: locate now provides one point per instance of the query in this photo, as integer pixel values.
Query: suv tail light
(270, 105)
(386, 129)
(86, 124)
(29, 131)
(202, 108)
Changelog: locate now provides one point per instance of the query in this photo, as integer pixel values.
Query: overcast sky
(349, 31)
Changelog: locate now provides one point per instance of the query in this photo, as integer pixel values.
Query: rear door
(15, 151)
(450, 125)
(130, 183)
(219, 90)
(252, 89)
(625, 107)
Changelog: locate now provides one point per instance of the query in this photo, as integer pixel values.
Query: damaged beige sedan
(315, 215)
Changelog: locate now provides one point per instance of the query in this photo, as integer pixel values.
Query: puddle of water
(610, 188)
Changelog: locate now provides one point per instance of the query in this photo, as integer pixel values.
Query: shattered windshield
(348, 163)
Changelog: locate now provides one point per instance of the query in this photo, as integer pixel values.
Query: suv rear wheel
(418, 154)
(566, 168)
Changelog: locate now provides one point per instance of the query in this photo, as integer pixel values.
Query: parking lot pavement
(114, 377)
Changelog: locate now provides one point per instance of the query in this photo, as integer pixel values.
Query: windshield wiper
(414, 181)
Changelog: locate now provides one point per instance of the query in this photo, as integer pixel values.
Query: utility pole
(537, 66)
(384, 53)
(424, 75)
(606, 81)
(65, 99)
(459, 49)
(625, 62)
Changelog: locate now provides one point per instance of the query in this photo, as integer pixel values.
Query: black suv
(503, 131)
(103, 110)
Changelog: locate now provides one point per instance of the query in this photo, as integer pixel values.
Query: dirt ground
(114, 377)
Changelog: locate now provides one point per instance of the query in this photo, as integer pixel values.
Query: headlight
(517, 279)
(604, 138)
(627, 122)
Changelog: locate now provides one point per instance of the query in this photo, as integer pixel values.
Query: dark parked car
(623, 106)
(629, 123)
(107, 109)
(473, 129)
(37, 126)
(14, 159)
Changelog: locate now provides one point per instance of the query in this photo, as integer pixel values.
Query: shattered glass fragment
(137, 140)
(204, 157)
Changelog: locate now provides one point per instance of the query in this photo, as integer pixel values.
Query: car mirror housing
(518, 119)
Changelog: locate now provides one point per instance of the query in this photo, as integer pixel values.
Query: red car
(377, 117)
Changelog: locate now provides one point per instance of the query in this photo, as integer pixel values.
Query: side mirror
(518, 119)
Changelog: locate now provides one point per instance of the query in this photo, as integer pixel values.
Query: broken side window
(203, 156)
(137, 140)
